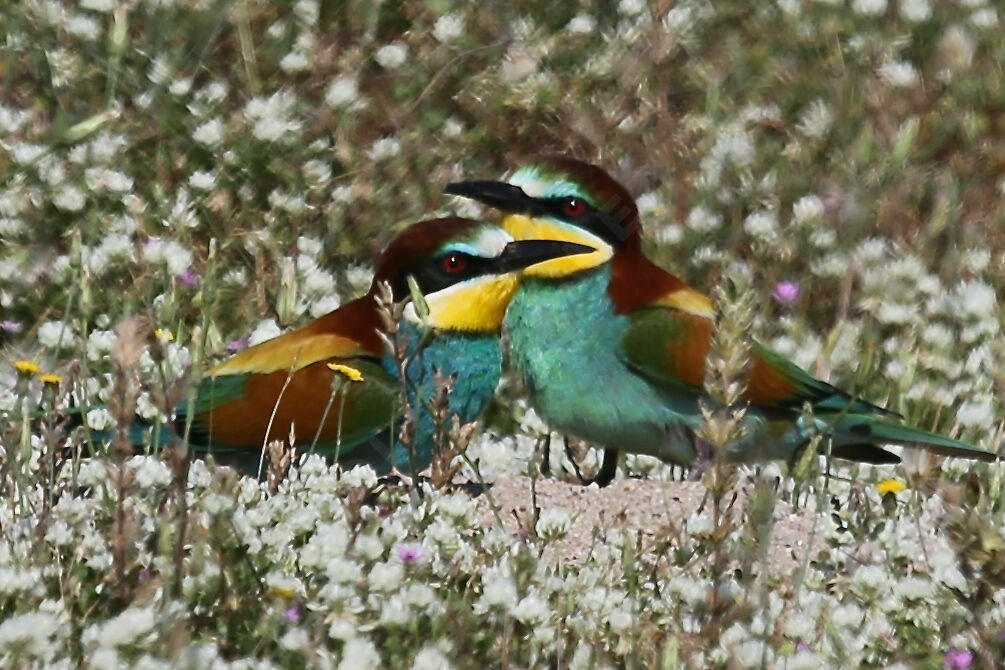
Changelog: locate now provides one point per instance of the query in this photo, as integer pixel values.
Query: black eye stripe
(431, 276)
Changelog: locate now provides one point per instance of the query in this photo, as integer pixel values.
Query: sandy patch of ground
(635, 505)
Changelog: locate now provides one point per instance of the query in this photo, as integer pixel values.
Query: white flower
(431, 658)
(25, 153)
(386, 576)
(383, 148)
(209, 133)
(151, 472)
(104, 659)
(531, 610)
(104, 179)
(202, 180)
(170, 253)
(100, 419)
(359, 277)
(620, 620)
(702, 220)
(495, 457)
(498, 589)
(392, 56)
(114, 246)
(581, 24)
(762, 224)
(915, 10)
(892, 312)
(103, 6)
(127, 627)
(419, 596)
(815, 121)
(986, 17)
(29, 634)
(668, 234)
(553, 523)
(453, 128)
(914, 588)
(317, 172)
(11, 120)
(265, 330)
(899, 74)
(976, 298)
(631, 7)
(324, 305)
(976, 413)
(807, 209)
(342, 92)
(84, 27)
(271, 117)
(448, 27)
(342, 570)
(295, 61)
(368, 547)
(55, 334)
(977, 260)
(69, 198)
(648, 204)
(869, 7)
(359, 654)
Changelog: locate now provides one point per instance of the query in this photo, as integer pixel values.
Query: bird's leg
(608, 468)
(575, 464)
(545, 441)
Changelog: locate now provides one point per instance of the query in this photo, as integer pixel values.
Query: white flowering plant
(183, 179)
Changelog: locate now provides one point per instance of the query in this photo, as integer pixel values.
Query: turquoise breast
(565, 341)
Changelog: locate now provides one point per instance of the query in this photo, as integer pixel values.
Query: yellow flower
(163, 334)
(351, 373)
(27, 368)
(890, 486)
(51, 378)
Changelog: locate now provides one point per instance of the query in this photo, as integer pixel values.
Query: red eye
(573, 207)
(453, 263)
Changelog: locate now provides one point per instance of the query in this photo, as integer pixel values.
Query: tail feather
(855, 429)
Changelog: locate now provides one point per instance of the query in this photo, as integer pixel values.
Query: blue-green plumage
(563, 337)
(473, 360)
(566, 342)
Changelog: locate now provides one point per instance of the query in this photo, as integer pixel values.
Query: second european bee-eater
(612, 348)
(467, 272)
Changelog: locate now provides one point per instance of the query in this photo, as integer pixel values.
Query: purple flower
(189, 278)
(9, 326)
(292, 614)
(802, 646)
(786, 292)
(409, 553)
(239, 344)
(959, 659)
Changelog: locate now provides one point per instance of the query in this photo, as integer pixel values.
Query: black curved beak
(497, 194)
(524, 253)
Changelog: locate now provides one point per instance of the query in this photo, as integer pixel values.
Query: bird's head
(467, 271)
(559, 198)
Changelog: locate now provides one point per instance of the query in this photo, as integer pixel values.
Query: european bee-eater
(467, 272)
(612, 348)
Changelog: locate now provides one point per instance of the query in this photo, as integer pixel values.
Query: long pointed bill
(498, 194)
(524, 253)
